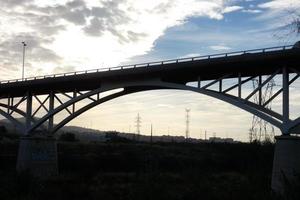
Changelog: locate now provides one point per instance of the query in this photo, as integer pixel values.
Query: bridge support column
(286, 164)
(38, 156)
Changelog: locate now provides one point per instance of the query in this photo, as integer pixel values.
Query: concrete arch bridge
(48, 96)
(76, 92)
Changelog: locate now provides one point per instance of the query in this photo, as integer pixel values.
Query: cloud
(252, 11)
(95, 28)
(230, 9)
(280, 16)
(165, 106)
(280, 4)
(279, 8)
(83, 34)
(219, 47)
(63, 69)
(15, 3)
(191, 55)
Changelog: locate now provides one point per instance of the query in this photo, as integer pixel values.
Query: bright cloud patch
(252, 11)
(232, 9)
(281, 4)
(283, 8)
(82, 34)
(220, 48)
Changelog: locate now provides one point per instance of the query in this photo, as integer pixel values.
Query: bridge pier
(286, 164)
(38, 156)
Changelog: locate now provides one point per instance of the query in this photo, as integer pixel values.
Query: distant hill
(87, 134)
(10, 127)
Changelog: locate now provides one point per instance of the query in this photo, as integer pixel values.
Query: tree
(290, 27)
(294, 25)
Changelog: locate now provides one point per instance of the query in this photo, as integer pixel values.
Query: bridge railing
(155, 63)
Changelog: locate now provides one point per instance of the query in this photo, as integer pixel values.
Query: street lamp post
(24, 45)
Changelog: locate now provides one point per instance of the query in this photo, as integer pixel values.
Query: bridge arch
(129, 88)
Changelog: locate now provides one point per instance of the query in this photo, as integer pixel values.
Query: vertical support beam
(8, 103)
(240, 85)
(220, 85)
(51, 107)
(285, 100)
(199, 82)
(74, 96)
(12, 102)
(260, 90)
(28, 112)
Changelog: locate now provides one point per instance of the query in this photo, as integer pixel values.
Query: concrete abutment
(286, 164)
(38, 156)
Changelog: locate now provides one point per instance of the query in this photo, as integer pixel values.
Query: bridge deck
(248, 63)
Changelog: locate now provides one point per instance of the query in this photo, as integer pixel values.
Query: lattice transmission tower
(260, 129)
(138, 125)
(187, 123)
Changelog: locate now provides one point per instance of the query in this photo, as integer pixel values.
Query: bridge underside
(69, 105)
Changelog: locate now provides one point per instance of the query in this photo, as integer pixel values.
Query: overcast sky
(66, 35)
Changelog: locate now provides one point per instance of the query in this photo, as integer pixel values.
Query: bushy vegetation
(68, 137)
(113, 137)
(146, 171)
(3, 132)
